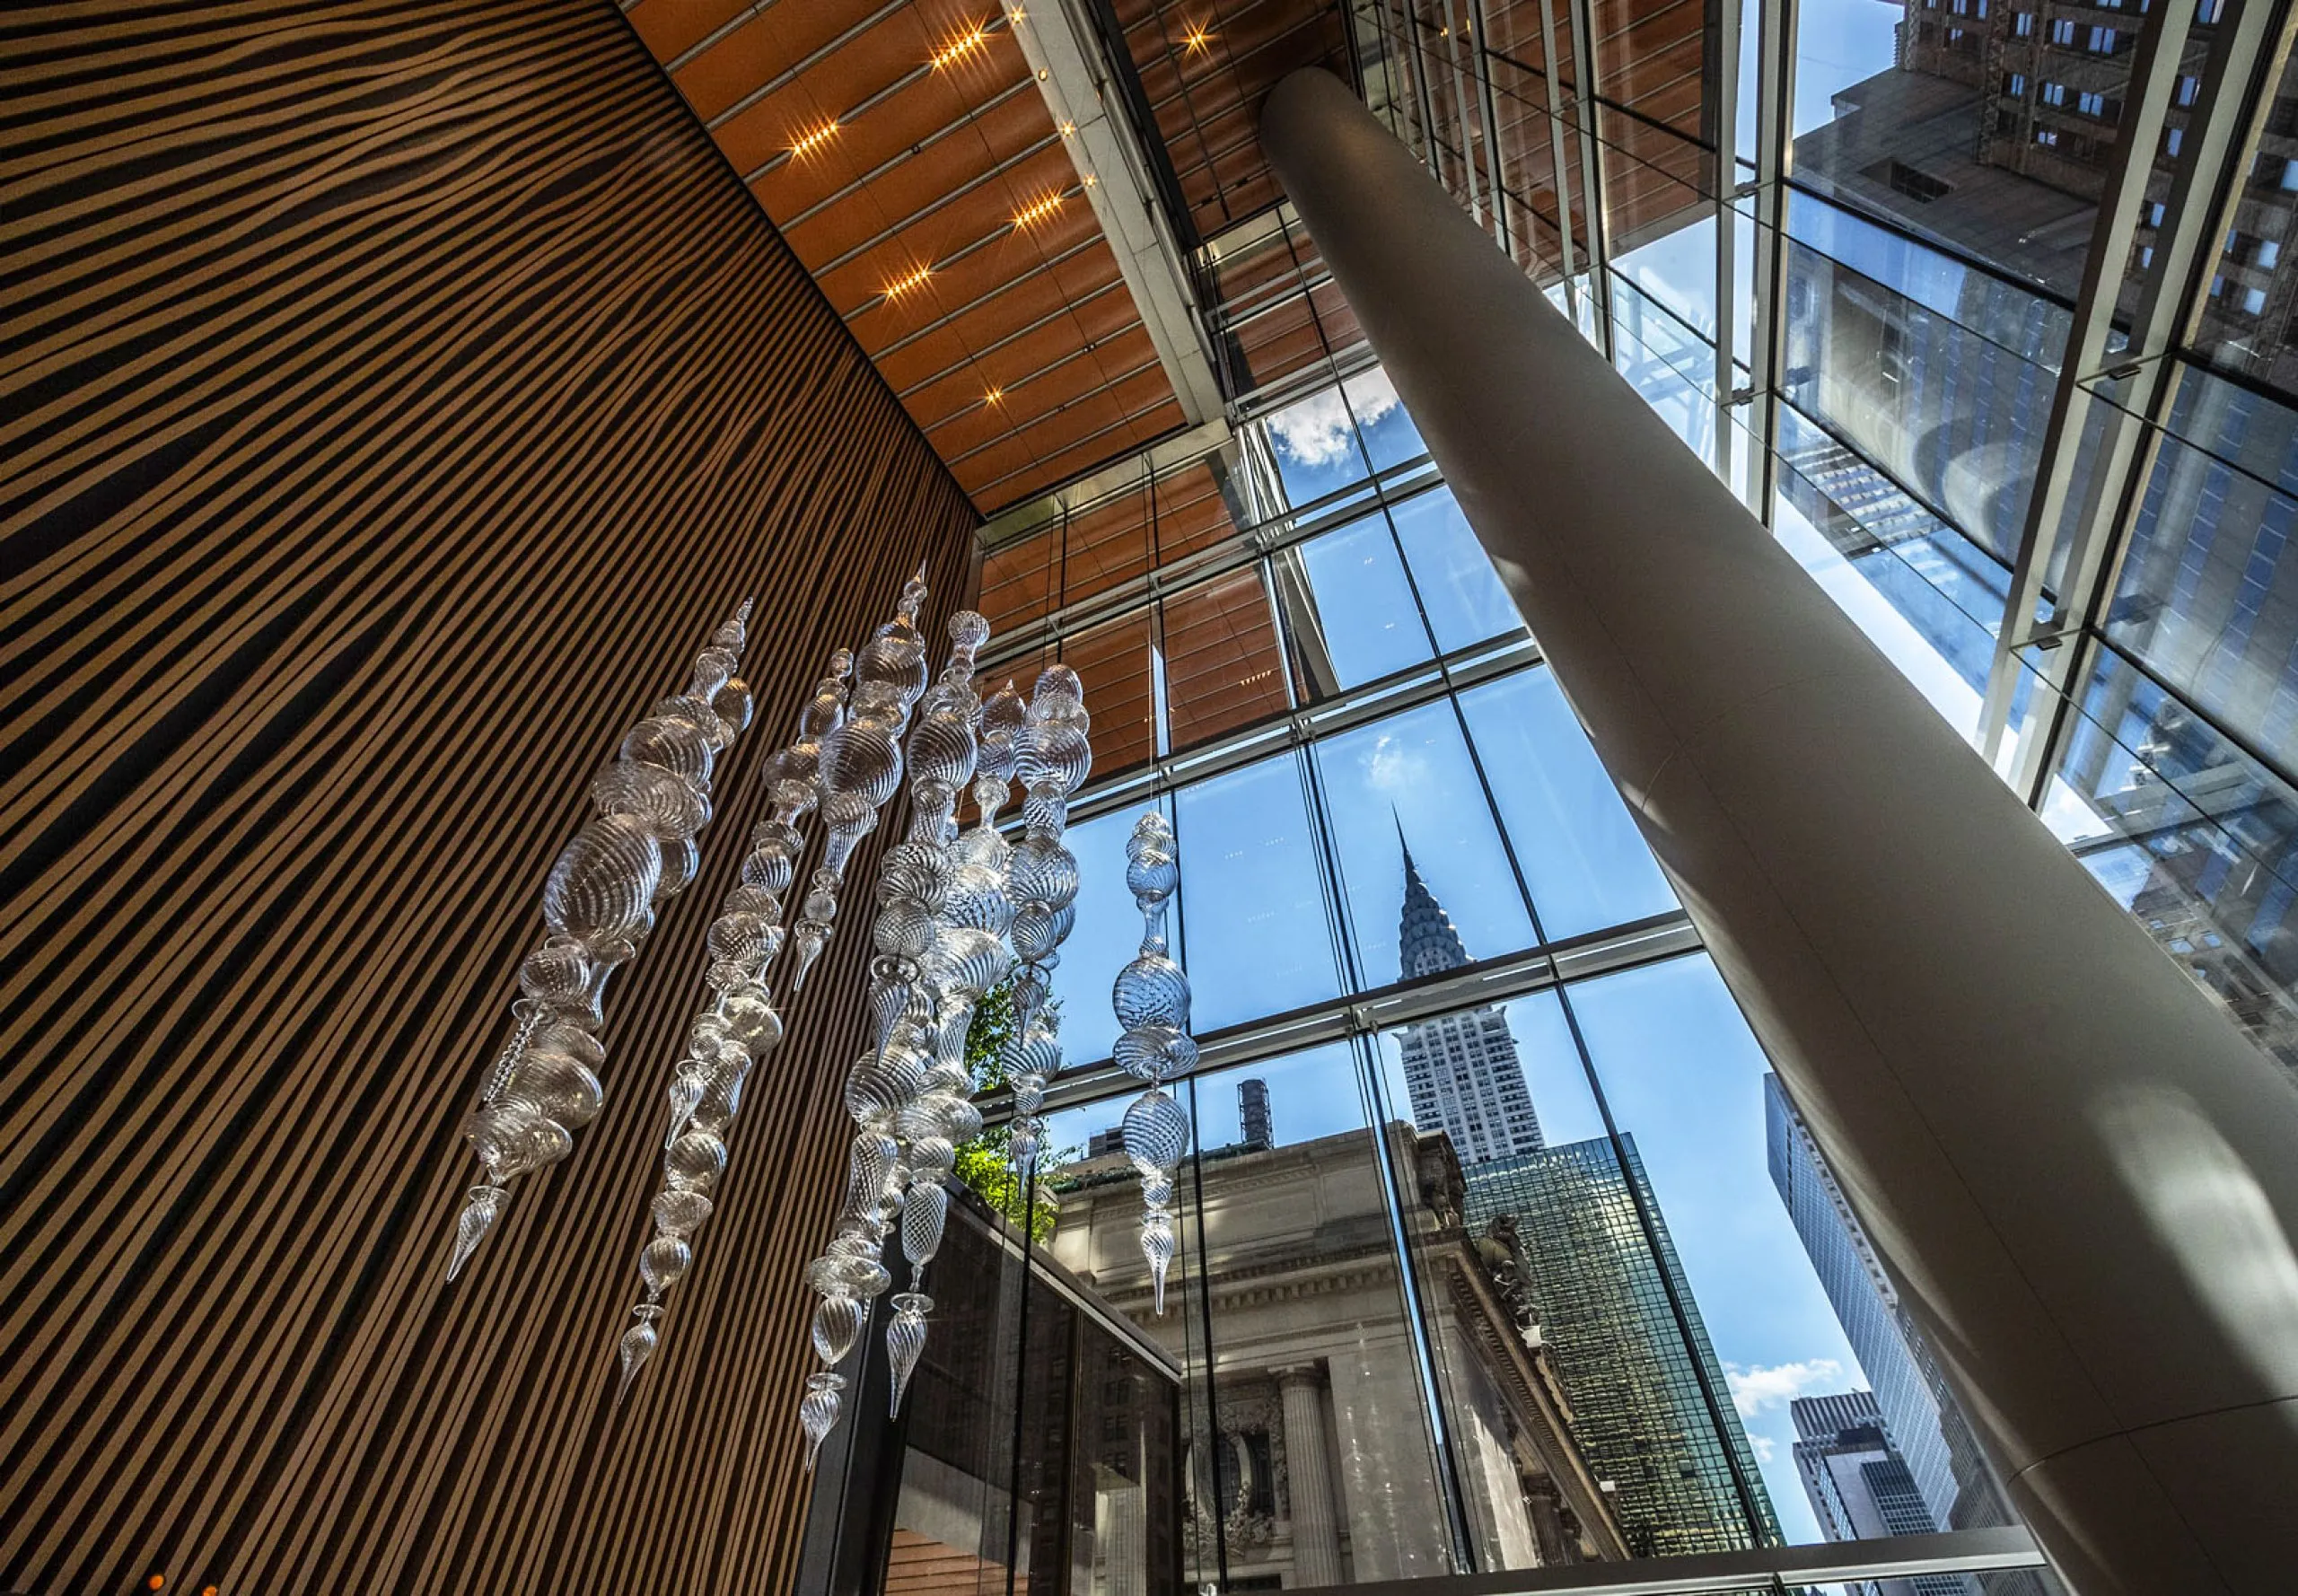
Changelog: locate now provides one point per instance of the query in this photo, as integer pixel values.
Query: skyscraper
(1860, 1488)
(1649, 1402)
(1460, 1070)
(1920, 1421)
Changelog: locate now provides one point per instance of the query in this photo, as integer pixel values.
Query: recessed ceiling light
(964, 44)
(806, 143)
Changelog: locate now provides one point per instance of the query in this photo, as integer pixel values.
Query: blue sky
(1258, 934)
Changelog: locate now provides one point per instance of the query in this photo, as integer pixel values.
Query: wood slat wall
(393, 394)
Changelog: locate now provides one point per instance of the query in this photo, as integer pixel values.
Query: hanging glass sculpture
(1151, 1001)
(1053, 755)
(599, 902)
(847, 761)
(860, 764)
(739, 1027)
(992, 885)
(915, 881)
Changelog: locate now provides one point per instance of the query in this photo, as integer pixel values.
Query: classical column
(1316, 1519)
(2083, 1176)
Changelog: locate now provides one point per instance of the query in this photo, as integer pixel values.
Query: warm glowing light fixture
(806, 143)
(895, 289)
(1035, 212)
(958, 48)
(1198, 37)
(994, 396)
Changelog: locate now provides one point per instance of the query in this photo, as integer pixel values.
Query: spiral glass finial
(1151, 997)
(598, 904)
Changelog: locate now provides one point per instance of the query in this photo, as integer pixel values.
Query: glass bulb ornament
(859, 765)
(1052, 753)
(737, 1026)
(1151, 997)
(598, 905)
(915, 882)
(906, 1341)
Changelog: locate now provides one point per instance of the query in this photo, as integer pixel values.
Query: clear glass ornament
(837, 1326)
(481, 1204)
(1151, 997)
(598, 902)
(818, 1412)
(906, 1341)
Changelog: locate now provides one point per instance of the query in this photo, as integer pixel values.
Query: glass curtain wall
(1498, 1245)
(1983, 307)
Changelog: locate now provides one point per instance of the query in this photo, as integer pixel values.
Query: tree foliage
(981, 1163)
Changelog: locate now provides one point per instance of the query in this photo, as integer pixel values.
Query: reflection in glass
(2195, 838)
(1221, 662)
(1458, 589)
(2208, 594)
(1581, 855)
(1256, 938)
(1084, 1506)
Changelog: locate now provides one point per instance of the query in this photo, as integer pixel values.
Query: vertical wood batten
(397, 395)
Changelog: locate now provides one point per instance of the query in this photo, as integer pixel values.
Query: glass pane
(2193, 838)
(1539, 1285)
(1106, 935)
(1320, 1469)
(1581, 855)
(1314, 441)
(1113, 660)
(2246, 318)
(1349, 614)
(1390, 436)
(1822, 1362)
(952, 1515)
(1019, 580)
(1428, 882)
(1106, 544)
(1141, 1399)
(1940, 374)
(1458, 589)
(2208, 594)
(1257, 940)
(1196, 507)
(1222, 664)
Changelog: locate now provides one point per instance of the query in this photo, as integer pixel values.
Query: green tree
(981, 1163)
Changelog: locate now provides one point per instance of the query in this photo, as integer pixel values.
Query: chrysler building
(1461, 1069)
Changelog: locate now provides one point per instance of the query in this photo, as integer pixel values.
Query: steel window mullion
(1774, 154)
(1487, 983)
(1725, 78)
(1579, 18)
(2153, 85)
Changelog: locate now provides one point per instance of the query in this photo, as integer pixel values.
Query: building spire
(1426, 940)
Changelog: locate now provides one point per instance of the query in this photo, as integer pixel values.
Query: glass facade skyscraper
(1649, 1401)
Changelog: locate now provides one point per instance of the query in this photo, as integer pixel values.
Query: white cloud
(1775, 1385)
(1765, 1447)
(1315, 431)
(1394, 767)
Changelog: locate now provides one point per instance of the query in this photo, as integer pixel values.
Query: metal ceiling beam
(1089, 115)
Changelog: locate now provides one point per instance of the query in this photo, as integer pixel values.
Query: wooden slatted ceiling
(1204, 67)
(1015, 345)
(394, 394)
